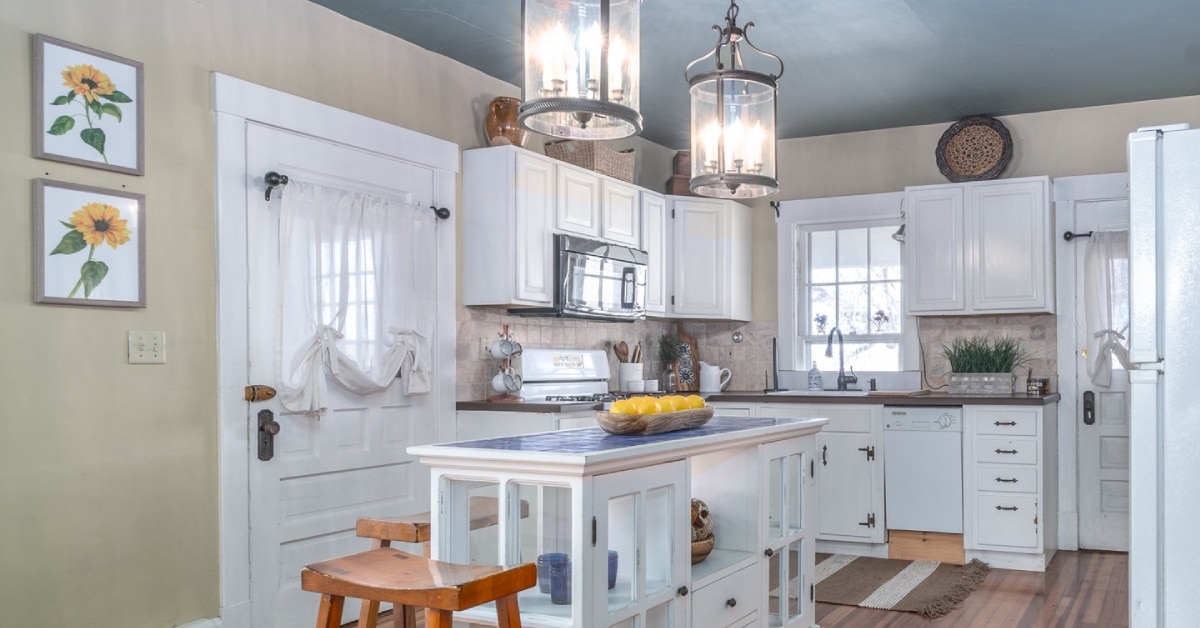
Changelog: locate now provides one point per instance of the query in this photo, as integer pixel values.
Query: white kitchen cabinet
(850, 473)
(982, 247)
(1010, 485)
(654, 243)
(508, 212)
(595, 206)
(710, 259)
(587, 499)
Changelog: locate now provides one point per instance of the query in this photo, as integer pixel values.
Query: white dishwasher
(922, 468)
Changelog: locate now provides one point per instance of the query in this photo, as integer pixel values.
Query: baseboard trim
(211, 622)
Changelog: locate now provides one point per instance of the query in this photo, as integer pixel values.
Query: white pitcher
(713, 378)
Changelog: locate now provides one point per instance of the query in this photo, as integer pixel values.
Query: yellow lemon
(675, 401)
(623, 406)
(649, 405)
(695, 401)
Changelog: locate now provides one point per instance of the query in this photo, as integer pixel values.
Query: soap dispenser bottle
(814, 378)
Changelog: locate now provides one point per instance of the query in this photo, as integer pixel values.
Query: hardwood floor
(1079, 590)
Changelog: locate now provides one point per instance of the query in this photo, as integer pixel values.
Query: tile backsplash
(749, 360)
(1037, 333)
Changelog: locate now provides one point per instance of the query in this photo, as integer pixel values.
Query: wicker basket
(595, 157)
(645, 424)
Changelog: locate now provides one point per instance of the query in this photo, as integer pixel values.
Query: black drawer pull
(1012, 508)
(1010, 480)
(1006, 451)
(1008, 423)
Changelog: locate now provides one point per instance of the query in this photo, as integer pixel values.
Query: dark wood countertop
(898, 399)
(543, 407)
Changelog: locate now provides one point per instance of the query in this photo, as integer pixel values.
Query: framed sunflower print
(89, 245)
(87, 107)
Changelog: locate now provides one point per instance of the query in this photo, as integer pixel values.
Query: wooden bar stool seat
(485, 512)
(411, 581)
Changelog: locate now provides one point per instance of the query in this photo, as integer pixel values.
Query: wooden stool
(485, 512)
(407, 580)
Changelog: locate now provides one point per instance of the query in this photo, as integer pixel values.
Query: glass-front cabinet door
(640, 544)
(788, 520)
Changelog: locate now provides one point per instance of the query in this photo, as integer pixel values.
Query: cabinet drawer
(1006, 450)
(1016, 422)
(847, 418)
(1006, 520)
(711, 603)
(1006, 478)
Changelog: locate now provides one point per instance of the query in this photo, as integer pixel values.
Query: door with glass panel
(640, 548)
(789, 533)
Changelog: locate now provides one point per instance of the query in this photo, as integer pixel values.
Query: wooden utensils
(621, 350)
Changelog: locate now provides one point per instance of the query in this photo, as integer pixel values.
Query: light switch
(147, 347)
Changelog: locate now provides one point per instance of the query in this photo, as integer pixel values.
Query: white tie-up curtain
(357, 281)
(1106, 302)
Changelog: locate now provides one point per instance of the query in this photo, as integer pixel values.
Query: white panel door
(352, 461)
(935, 254)
(1104, 442)
(1009, 222)
(620, 217)
(535, 211)
(844, 487)
(578, 195)
(701, 249)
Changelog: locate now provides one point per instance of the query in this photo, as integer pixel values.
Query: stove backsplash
(748, 360)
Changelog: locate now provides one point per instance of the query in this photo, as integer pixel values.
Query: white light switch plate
(147, 347)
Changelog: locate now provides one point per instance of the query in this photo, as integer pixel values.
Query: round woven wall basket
(975, 148)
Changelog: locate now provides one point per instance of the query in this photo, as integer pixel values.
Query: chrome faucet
(843, 379)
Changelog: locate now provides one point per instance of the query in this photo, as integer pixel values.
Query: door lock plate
(268, 427)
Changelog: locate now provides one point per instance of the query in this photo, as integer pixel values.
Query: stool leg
(329, 614)
(508, 615)
(435, 618)
(368, 617)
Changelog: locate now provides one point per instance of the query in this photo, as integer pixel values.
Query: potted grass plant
(982, 366)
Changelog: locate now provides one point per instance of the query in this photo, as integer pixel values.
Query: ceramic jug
(713, 378)
(501, 123)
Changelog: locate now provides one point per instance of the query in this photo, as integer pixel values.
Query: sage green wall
(1055, 143)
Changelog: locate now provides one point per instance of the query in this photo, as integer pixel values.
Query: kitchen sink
(819, 393)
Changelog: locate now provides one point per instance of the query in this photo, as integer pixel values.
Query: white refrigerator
(1164, 240)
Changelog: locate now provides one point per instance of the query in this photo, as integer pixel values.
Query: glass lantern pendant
(581, 68)
(733, 119)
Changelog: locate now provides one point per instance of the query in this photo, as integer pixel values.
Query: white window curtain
(357, 281)
(1106, 303)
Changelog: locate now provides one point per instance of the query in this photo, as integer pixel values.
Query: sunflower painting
(88, 106)
(89, 246)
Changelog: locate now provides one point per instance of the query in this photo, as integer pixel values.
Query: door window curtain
(357, 281)
(1106, 303)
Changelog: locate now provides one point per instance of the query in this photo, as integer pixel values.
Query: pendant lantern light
(581, 68)
(733, 119)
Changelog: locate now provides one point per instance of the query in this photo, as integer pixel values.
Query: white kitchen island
(624, 502)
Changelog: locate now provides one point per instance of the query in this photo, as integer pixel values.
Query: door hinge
(593, 532)
(812, 593)
(870, 452)
(812, 468)
(672, 299)
(870, 522)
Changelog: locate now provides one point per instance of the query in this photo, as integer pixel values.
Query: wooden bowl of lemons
(654, 415)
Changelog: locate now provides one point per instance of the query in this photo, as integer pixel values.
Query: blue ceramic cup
(612, 568)
(544, 562)
(560, 583)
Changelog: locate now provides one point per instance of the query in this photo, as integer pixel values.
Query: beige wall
(108, 471)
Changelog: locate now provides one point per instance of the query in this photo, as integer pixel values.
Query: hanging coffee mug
(507, 381)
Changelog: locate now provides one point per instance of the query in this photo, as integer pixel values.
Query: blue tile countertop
(585, 450)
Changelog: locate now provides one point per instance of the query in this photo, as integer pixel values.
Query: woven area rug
(926, 587)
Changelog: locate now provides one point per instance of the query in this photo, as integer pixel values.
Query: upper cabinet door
(619, 215)
(701, 250)
(578, 202)
(534, 246)
(935, 250)
(1010, 224)
(654, 242)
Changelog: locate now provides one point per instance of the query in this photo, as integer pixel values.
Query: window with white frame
(848, 278)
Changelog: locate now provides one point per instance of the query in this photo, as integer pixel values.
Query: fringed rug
(925, 587)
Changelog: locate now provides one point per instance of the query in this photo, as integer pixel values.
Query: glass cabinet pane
(542, 534)
(795, 579)
(775, 575)
(660, 521)
(470, 534)
(660, 616)
(775, 499)
(792, 493)
(622, 539)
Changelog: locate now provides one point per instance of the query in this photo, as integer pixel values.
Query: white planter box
(982, 383)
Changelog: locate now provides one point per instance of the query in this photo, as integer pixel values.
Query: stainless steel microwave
(596, 280)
